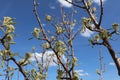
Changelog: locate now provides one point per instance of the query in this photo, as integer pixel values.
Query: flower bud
(10, 29)
(115, 26)
(46, 45)
(48, 18)
(59, 30)
(9, 37)
(27, 55)
(6, 20)
(36, 32)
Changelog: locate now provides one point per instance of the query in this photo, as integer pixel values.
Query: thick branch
(114, 57)
(20, 68)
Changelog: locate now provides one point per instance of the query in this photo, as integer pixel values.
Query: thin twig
(38, 19)
(75, 4)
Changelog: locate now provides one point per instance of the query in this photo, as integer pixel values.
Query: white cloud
(112, 64)
(87, 33)
(43, 24)
(65, 3)
(98, 1)
(81, 73)
(48, 57)
(52, 7)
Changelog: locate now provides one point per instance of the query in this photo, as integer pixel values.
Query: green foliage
(74, 61)
(104, 34)
(8, 21)
(60, 41)
(60, 47)
(35, 75)
(75, 76)
(2, 64)
(94, 9)
(89, 3)
(9, 29)
(98, 72)
(97, 38)
(60, 74)
(27, 55)
(46, 45)
(59, 30)
(86, 23)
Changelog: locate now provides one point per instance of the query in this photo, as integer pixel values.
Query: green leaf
(14, 54)
(2, 64)
(118, 33)
(1, 28)
(97, 71)
(12, 42)
(97, 38)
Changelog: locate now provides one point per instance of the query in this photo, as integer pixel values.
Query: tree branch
(19, 66)
(38, 19)
(114, 57)
(101, 14)
(75, 4)
(88, 9)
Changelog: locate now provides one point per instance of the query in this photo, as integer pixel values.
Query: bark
(113, 55)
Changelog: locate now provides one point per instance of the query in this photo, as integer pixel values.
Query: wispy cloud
(98, 1)
(52, 7)
(48, 57)
(43, 24)
(65, 3)
(87, 33)
(81, 73)
(112, 64)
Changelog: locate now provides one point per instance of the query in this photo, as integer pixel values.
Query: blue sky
(22, 10)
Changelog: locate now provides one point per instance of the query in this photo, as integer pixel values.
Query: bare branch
(101, 14)
(96, 43)
(75, 4)
(114, 57)
(38, 19)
